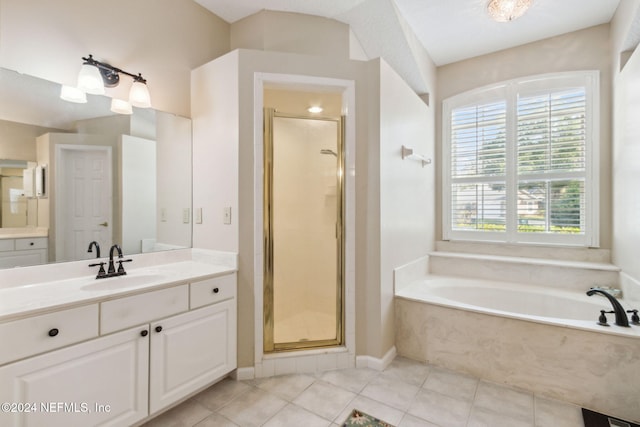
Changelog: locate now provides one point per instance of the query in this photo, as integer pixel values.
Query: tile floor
(406, 394)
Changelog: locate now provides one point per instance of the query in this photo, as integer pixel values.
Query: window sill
(585, 265)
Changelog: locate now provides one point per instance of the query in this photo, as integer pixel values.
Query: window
(519, 161)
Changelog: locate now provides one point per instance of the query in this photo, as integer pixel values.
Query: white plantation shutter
(478, 153)
(518, 162)
(552, 147)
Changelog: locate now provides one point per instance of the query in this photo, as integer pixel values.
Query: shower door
(303, 211)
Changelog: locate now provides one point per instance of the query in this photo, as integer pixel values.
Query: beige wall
(18, 141)
(587, 49)
(173, 135)
(272, 31)
(215, 121)
(162, 39)
(407, 189)
(626, 137)
(230, 82)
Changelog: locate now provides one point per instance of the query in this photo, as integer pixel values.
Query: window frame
(509, 92)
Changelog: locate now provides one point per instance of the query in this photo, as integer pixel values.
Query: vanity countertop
(23, 233)
(21, 301)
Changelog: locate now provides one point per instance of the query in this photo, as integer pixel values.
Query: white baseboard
(243, 374)
(376, 363)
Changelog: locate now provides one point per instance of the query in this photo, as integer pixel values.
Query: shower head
(327, 151)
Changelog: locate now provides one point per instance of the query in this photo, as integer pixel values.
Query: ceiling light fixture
(507, 10)
(315, 109)
(94, 76)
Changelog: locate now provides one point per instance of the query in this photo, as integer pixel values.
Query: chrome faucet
(97, 246)
(621, 314)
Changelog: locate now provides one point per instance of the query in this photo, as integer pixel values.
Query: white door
(191, 350)
(101, 382)
(83, 201)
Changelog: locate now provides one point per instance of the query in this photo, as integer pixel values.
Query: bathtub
(540, 339)
(519, 301)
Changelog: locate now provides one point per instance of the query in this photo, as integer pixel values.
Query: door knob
(104, 224)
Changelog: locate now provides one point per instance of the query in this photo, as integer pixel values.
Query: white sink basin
(126, 281)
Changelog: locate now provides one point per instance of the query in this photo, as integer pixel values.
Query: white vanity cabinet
(100, 382)
(189, 351)
(153, 349)
(23, 252)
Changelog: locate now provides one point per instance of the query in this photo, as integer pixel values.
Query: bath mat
(360, 419)
(596, 419)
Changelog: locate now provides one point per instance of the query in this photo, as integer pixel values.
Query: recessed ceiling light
(315, 109)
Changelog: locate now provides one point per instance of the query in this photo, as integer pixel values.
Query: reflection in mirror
(72, 173)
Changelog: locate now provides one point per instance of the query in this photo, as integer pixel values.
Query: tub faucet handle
(602, 320)
(635, 319)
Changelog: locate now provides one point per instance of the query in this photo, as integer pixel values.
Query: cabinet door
(100, 382)
(191, 350)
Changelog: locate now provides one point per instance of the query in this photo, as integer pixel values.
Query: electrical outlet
(186, 215)
(227, 215)
(198, 216)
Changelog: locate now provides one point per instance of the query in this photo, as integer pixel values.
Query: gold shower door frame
(269, 346)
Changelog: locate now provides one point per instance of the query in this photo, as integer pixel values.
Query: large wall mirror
(72, 173)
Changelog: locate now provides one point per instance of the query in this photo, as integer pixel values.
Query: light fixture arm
(110, 74)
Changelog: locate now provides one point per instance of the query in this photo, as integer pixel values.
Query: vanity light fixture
(94, 76)
(315, 109)
(507, 10)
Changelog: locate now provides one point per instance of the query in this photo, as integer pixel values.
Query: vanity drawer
(32, 243)
(213, 290)
(6, 244)
(37, 334)
(123, 313)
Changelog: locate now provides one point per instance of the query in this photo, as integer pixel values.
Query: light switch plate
(186, 215)
(227, 215)
(163, 214)
(198, 216)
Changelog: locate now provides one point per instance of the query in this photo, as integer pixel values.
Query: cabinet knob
(158, 328)
(31, 244)
(144, 333)
(216, 290)
(53, 332)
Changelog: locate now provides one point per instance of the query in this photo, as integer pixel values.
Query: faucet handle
(120, 267)
(602, 320)
(101, 272)
(635, 319)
